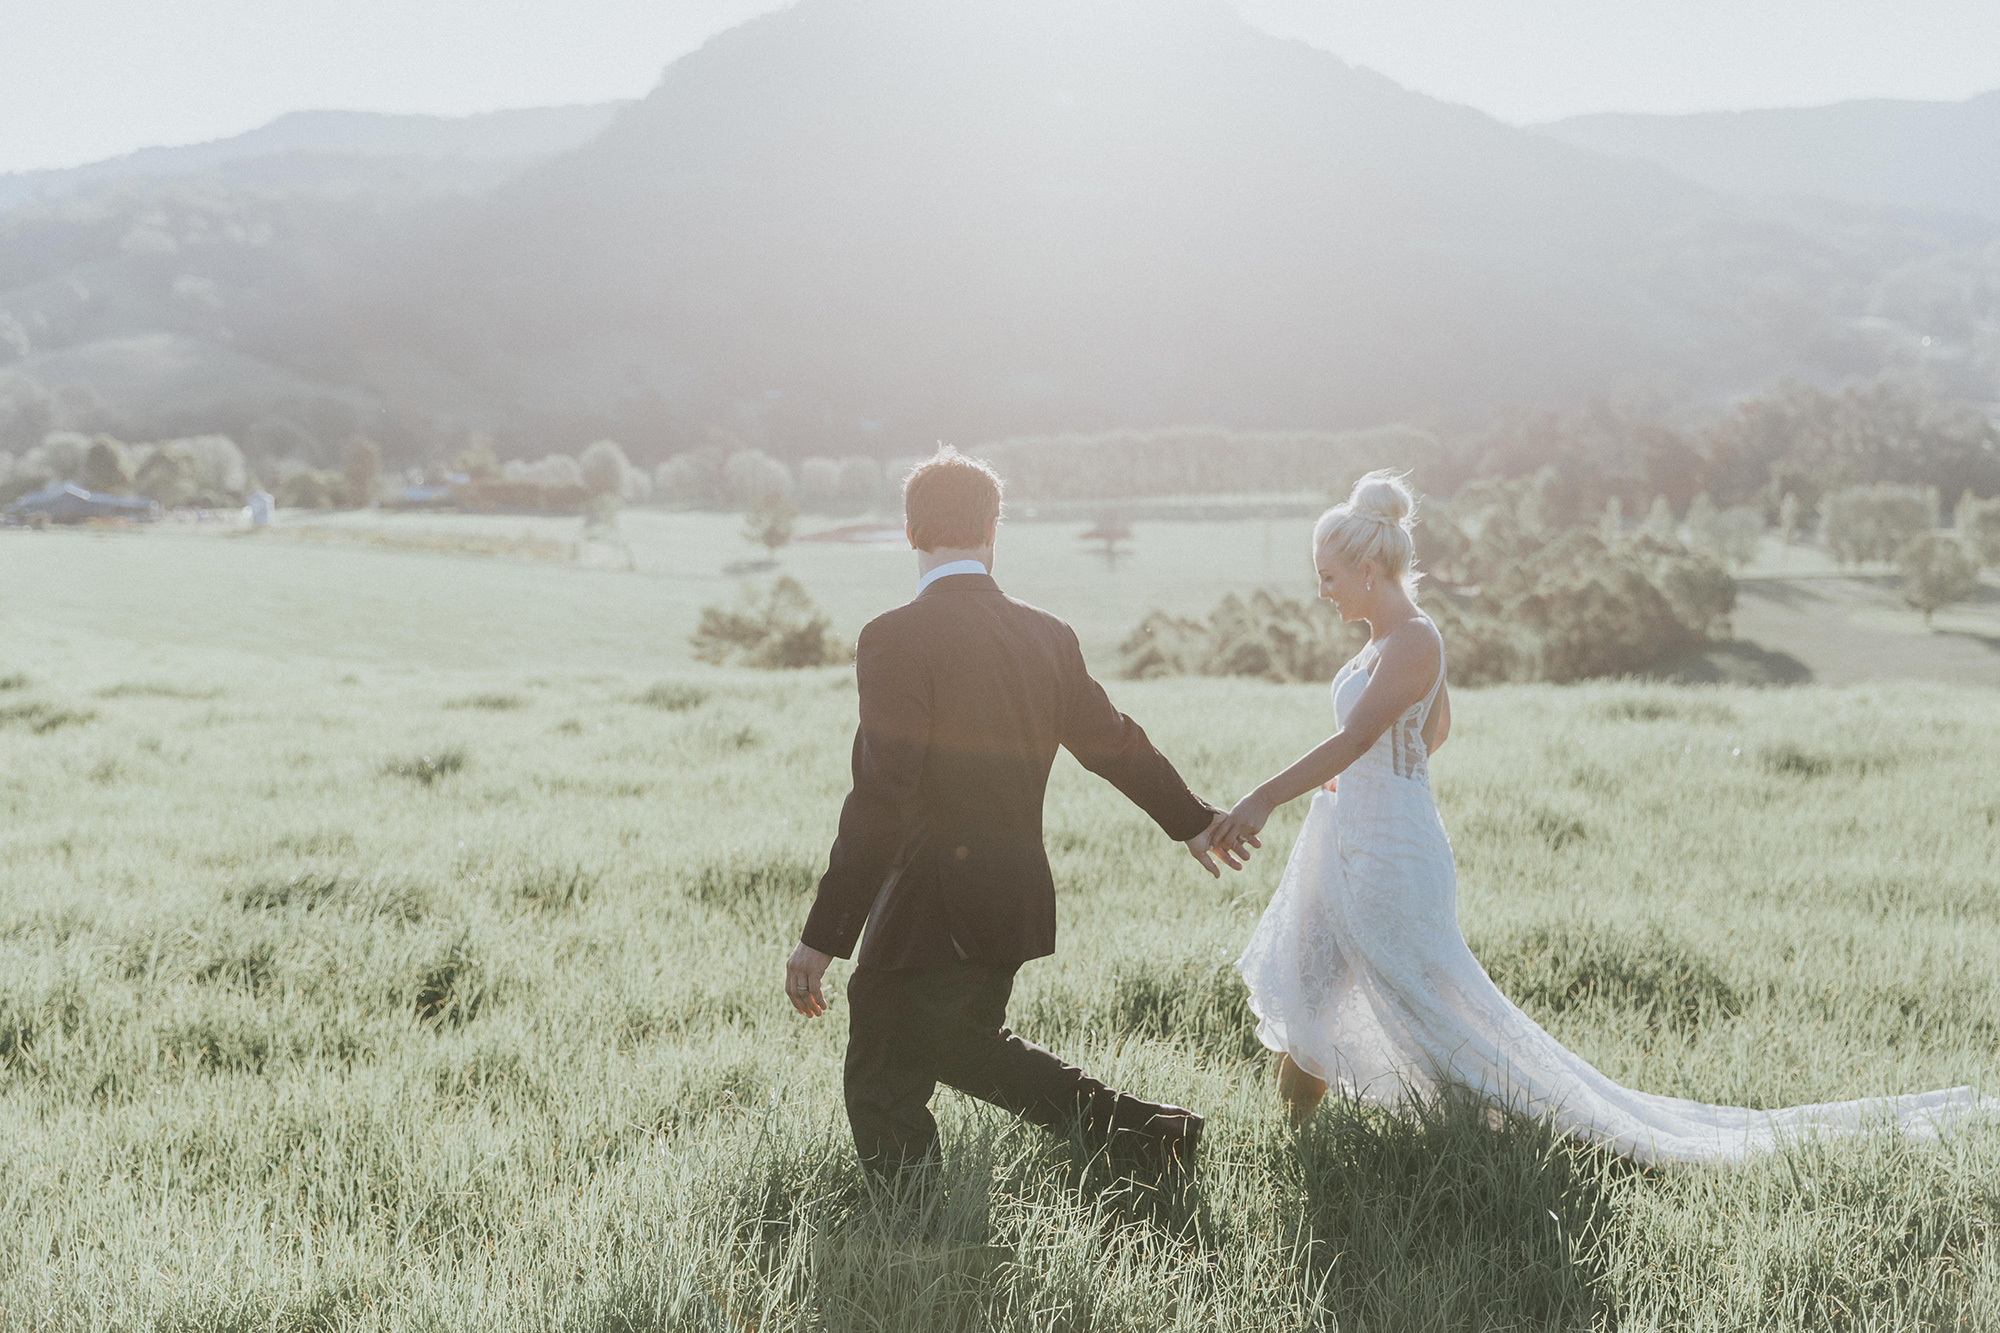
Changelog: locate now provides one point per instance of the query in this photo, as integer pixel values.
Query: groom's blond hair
(951, 502)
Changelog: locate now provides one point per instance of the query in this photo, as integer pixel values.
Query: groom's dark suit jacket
(965, 695)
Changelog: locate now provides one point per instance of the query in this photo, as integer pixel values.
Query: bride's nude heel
(1300, 1091)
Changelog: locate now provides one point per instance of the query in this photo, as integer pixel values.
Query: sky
(87, 79)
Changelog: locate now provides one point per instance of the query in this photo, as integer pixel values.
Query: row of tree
(718, 478)
(1793, 444)
(710, 478)
(200, 470)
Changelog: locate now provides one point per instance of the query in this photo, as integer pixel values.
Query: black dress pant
(910, 1030)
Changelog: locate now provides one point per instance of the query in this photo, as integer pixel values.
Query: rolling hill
(862, 225)
(291, 148)
(1942, 155)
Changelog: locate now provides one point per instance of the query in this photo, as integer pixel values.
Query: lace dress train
(1358, 971)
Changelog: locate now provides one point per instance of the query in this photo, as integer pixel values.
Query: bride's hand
(1240, 827)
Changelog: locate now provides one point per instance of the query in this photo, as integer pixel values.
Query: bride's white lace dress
(1359, 973)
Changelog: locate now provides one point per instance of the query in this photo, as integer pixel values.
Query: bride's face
(1345, 586)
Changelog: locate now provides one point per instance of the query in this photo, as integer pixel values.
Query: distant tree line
(1133, 464)
(717, 477)
(1793, 439)
(197, 471)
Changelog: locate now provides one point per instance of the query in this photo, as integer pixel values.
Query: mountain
(1914, 154)
(863, 225)
(495, 140)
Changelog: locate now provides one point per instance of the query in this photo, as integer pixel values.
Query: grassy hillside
(391, 940)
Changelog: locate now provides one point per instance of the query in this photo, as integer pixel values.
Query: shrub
(780, 627)
(1268, 636)
(1591, 610)
(1529, 600)
(1866, 523)
(1517, 599)
(1937, 571)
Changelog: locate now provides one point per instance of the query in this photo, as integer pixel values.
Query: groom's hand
(804, 971)
(1201, 847)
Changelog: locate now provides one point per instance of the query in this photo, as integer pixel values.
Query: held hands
(1204, 846)
(1238, 829)
(804, 971)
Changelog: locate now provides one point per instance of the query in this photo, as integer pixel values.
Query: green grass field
(392, 940)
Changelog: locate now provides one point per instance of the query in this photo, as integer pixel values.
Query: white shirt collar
(946, 571)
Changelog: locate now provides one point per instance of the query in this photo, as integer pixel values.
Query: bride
(1358, 973)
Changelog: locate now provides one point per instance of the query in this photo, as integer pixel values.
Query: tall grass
(304, 1027)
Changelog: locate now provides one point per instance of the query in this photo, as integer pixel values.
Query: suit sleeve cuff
(1191, 821)
(832, 929)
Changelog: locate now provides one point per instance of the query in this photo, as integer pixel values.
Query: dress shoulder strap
(1437, 684)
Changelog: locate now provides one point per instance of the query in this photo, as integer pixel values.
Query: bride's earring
(1371, 583)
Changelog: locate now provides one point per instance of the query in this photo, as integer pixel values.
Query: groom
(965, 695)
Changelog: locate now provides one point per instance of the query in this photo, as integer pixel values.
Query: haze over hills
(862, 225)
(1911, 154)
(497, 141)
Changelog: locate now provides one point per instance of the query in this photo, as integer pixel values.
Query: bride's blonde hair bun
(1382, 495)
(1373, 524)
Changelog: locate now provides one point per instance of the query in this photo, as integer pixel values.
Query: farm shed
(67, 502)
